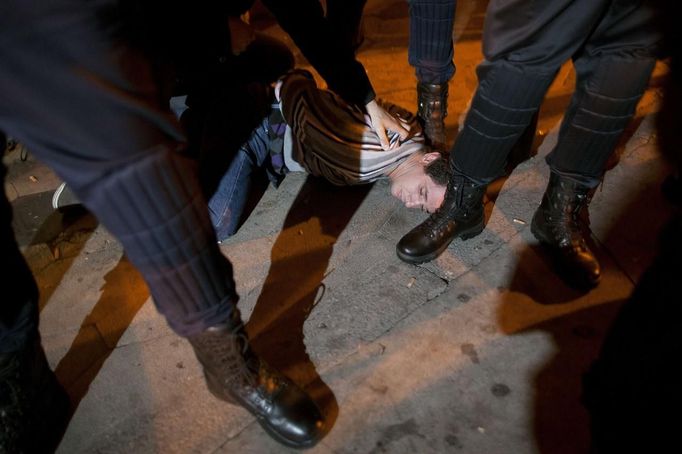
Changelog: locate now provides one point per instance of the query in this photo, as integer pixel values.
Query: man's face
(416, 189)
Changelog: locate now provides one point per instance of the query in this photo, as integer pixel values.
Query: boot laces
(567, 225)
(454, 208)
(252, 372)
(435, 222)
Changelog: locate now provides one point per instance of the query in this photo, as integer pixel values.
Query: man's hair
(439, 168)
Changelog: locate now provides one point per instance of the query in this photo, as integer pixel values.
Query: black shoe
(460, 216)
(236, 375)
(559, 225)
(432, 108)
(34, 408)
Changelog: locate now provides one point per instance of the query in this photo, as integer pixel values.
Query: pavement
(480, 351)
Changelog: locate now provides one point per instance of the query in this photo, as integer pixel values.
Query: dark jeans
(89, 106)
(226, 206)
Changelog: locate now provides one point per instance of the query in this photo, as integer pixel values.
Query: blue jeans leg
(227, 203)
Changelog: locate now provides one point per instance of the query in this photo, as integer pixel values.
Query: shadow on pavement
(123, 294)
(63, 233)
(559, 418)
(293, 286)
(634, 355)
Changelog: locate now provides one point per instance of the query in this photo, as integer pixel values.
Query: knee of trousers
(155, 208)
(608, 96)
(603, 104)
(145, 194)
(497, 121)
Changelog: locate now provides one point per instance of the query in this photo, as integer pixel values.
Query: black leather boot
(461, 215)
(432, 108)
(558, 225)
(34, 408)
(236, 375)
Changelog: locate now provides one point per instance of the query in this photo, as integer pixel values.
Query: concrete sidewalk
(480, 351)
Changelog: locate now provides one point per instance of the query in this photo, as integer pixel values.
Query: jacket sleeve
(334, 59)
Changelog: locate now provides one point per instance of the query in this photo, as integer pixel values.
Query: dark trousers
(431, 50)
(88, 105)
(612, 44)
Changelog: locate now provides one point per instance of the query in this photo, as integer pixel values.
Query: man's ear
(429, 157)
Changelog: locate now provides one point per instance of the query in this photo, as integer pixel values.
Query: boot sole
(465, 235)
(216, 390)
(285, 441)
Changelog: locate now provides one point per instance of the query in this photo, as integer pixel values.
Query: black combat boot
(236, 375)
(460, 215)
(34, 408)
(559, 225)
(432, 108)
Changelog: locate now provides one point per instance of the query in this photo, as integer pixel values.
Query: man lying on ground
(314, 130)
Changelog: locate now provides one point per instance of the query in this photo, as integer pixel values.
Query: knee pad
(155, 208)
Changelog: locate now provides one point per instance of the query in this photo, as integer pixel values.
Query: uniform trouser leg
(502, 108)
(431, 49)
(94, 114)
(612, 72)
(345, 19)
(525, 44)
(19, 307)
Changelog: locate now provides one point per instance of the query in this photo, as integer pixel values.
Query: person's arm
(241, 34)
(334, 60)
(382, 120)
(329, 55)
